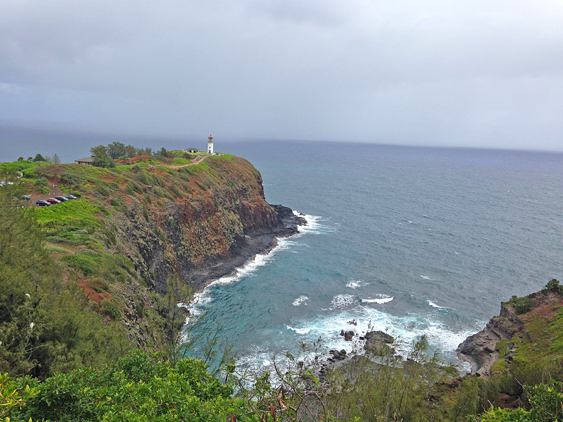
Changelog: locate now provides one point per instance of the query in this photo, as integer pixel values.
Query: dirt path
(199, 160)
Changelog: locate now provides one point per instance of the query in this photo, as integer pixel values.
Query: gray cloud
(467, 73)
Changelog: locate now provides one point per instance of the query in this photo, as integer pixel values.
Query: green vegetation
(74, 223)
(521, 305)
(113, 268)
(141, 387)
(45, 322)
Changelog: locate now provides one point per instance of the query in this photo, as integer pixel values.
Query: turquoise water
(410, 241)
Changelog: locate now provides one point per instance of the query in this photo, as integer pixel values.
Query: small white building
(210, 145)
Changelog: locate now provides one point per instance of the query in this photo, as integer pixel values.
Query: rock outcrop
(481, 350)
(378, 342)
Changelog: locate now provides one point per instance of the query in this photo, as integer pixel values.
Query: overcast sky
(480, 73)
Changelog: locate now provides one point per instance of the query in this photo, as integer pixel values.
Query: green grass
(72, 222)
(555, 330)
(180, 161)
(112, 268)
(56, 249)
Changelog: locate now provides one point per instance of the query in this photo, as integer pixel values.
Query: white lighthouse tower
(210, 145)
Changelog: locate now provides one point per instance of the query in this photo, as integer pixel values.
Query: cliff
(142, 238)
(526, 329)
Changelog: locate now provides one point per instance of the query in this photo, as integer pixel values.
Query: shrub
(553, 286)
(102, 191)
(521, 304)
(141, 387)
(41, 182)
(110, 309)
(129, 189)
(145, 212)
(175, 191)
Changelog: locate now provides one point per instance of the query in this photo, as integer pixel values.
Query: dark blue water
(410, 240)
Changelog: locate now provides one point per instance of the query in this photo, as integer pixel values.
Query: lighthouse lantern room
(210, 145)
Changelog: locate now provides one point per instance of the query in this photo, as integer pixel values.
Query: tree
(56, 159)
(163, 152)
(130, 151)
(101, 157)
(20, 158)
(144, 151)
(116, 150)
(39, 157)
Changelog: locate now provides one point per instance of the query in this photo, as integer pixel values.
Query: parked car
(42, 203)
(71, 197)
(53, 201)
(61, 198)
(26, 197)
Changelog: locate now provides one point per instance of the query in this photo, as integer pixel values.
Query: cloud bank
(465, 73)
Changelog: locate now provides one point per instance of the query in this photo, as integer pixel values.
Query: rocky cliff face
(143, 236)
(218, 220)
(521, 321)
(480, 350)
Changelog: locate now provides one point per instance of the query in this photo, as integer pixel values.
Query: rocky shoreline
(256, 242)
(481, 350)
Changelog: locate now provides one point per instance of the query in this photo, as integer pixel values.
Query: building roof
(85, 160)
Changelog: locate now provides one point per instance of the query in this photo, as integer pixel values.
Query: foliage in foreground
(546, 401)
(46, 324)
(140, 387)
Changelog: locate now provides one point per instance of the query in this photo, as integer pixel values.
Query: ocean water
(411, 241)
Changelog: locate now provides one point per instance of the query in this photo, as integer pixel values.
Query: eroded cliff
(142, 237)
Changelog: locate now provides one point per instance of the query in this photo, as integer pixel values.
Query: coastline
(257, 243)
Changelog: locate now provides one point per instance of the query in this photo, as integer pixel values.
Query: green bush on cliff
(112, 267)
(553, 286)
(546, 402)
(521, 305)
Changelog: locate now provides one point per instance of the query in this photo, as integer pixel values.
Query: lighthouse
(210, 145)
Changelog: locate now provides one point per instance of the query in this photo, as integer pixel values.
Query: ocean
(410, 241)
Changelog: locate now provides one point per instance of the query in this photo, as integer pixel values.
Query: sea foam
(301, 300)
(434, 305)
(203, 298)
(381, 299)
(354, 284)
(342, 301)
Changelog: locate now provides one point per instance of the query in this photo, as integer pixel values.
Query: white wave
(354, 284)
(299, 330)
(381, 300)
(341, 301)
(426, 277)
(300, 300)
(313, 225)
(406, 330)
(434, 305)
(196, 306)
